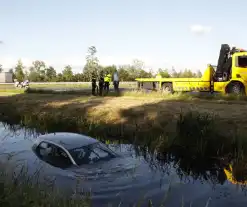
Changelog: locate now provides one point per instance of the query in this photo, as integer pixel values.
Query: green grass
(8, 92)
(45, 89)
(19, 189)
(69, 85)
(184, 96)
(150, 94)
(81, 85)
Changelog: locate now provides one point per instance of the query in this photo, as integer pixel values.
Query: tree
(129, 72)
(37, 71)
(1, 68)
(164, 73)
(92, 64)
(33, 74)
(187, 73)
(50, 74)
(26, 75)
(67, 73)
(78, 77)
(19, 74)
(123, 73)
(138, 64)
(175, 74)
(198, 74)
(110, 69)
(59, 77)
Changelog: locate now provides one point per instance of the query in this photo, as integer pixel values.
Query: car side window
(54, 155)
(43, 149)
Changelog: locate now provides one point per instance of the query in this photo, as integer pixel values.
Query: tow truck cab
(231, 72)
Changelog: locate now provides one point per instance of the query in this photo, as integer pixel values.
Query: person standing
(107, 80)
(94, 84)
(116, 81)
(101, 83)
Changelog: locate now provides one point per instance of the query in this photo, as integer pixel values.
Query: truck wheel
(236, 88)
(167, 88)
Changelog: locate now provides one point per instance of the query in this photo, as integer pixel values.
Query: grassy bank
(133, 93)
(129, 116)
(19, 189)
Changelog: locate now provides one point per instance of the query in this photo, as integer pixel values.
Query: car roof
(68, 140)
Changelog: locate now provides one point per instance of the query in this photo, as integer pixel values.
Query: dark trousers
(107, 86)
(116, 85)
(94, 89)
(101, 87)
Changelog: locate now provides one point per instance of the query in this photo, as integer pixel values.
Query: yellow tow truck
(228, 77)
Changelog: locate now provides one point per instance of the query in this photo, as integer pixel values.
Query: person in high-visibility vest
(107, 80)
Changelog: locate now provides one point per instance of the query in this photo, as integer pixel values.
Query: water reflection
(182, 176)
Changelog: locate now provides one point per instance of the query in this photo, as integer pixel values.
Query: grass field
(67, 85)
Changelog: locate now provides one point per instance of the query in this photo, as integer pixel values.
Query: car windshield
(91, 154)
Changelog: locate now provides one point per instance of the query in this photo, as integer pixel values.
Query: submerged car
(111, 177)
(69, 150)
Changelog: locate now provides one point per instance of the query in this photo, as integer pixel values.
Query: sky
(161, 33)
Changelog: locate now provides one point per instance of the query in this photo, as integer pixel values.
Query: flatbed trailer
(228, 77)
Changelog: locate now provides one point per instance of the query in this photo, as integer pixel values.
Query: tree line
(40, 72)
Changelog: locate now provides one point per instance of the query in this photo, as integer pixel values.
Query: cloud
(1, 42)
(200, 29)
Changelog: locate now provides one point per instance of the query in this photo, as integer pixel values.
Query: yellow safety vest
(107, 78)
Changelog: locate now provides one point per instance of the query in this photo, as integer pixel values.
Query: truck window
(242, 61)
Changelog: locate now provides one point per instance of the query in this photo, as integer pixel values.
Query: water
(180, 180)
